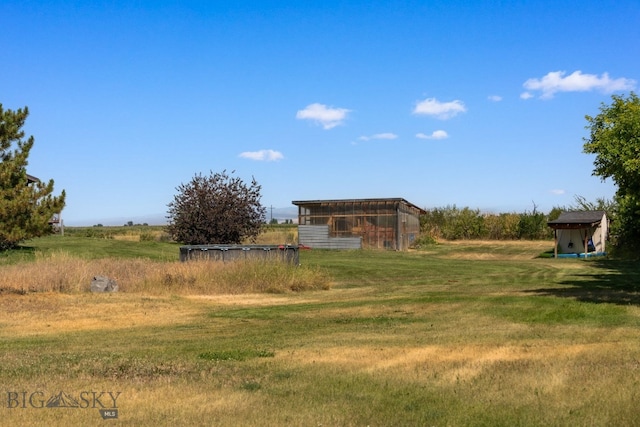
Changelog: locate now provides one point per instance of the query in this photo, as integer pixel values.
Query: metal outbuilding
(387, 223)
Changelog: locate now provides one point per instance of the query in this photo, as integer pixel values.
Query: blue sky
(477, 104)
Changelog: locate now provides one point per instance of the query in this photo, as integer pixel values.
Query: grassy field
(465, 333)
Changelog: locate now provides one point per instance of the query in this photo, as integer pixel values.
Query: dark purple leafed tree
(218, 208)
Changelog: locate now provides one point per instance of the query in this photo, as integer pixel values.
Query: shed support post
(555, 243)
(586, 240)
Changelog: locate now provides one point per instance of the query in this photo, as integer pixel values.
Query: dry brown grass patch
(60, 272)
(446, 364)
(50, 313)
(498, 249)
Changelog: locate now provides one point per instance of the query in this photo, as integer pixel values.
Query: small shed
(388, 223)
(580, 233)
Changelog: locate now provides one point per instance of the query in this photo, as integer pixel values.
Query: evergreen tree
(26, 204)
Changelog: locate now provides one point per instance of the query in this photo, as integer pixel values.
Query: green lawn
(458, 334)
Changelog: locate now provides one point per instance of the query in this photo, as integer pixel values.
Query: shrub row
(452, 223)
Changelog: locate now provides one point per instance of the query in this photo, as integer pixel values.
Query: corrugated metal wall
(317, 236)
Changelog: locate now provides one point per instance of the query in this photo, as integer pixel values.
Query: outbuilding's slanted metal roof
(577, 219)
(342, 201)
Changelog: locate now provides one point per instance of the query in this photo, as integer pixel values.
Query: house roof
(577, 219)
(31, 178)
(332, 201)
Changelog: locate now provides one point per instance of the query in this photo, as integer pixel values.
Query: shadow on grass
(17, 254)
(614, 281)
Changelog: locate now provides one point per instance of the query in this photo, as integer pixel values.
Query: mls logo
(109, 414)
(105, 401)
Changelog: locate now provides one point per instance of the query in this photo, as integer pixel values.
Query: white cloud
(438, 134)
(526, 95)
(262, 155)
(556, 81)
(440, 110)
(557, 192)
(328, 117)
(495, 98)
(387, 135)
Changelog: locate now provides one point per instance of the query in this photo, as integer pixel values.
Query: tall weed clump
(277, 235)
(208, 277)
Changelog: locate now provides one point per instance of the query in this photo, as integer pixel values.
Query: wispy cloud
(263, 155)
(556, 81)
(386, 135)
(440, 110)
(526, 95)
(438, 134)
(494, 98)
(558, 192)
(328, 117)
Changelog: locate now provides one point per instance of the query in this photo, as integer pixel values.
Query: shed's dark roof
(577, 218)
(332, 201)
(31, 178)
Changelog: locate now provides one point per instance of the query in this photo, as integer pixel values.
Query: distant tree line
(274, 221)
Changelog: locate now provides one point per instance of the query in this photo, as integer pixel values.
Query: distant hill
(281, 214)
